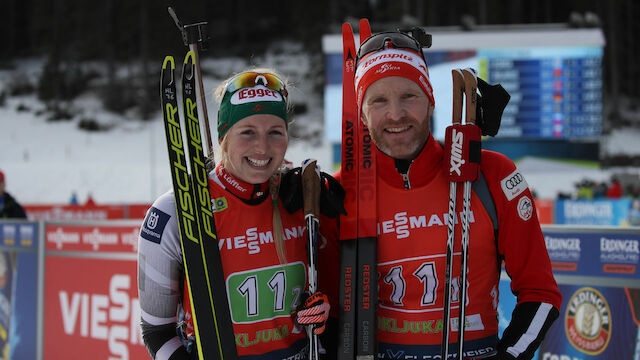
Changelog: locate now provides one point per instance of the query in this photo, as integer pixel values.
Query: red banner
(544, 208)
(137, 211)
(91, 307)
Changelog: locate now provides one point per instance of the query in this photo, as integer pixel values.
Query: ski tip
(190, 58)
(346, 28)
(169, 60)
(349, 47)
(189, 65)
(364, 30)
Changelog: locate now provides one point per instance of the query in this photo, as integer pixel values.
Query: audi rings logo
(513, 185)
(513, 181)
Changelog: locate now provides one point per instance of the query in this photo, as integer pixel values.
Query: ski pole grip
(462, 149)
(310, 188)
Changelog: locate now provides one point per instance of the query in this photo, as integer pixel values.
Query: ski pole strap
(462, 149)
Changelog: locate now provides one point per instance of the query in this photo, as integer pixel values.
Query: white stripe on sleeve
(154, 320)
(168, 349)
(532, 331)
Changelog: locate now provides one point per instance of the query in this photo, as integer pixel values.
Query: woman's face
(255, 147)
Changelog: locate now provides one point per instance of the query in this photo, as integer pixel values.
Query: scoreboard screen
(555, 93)
(554, 78)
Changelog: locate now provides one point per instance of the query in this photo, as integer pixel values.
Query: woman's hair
(274, 181)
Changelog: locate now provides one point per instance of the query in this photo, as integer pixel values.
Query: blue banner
(18, 289)
(594, 323)
(596, 252)
(593, 212)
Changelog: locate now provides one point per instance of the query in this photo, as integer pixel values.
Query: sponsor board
(604, 252)
(18, 289)
(92, 303)
(92, 238)
(595, 323)
(593, 212)
(93, 312)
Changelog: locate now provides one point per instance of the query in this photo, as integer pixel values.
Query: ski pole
(311, 207)
(194, 36)
(462, 150)
(470, 86)
(458, 91)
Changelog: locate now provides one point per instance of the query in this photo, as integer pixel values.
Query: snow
(45, 162)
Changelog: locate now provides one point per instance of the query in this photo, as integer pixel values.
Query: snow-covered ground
(45, 162)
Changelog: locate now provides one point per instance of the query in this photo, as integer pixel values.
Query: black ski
(203, 269)
(367, 236)
(358, 241)
(349, 222)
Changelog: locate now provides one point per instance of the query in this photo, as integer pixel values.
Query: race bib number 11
(267, 293)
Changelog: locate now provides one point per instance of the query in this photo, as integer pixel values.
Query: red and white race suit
(412, 213)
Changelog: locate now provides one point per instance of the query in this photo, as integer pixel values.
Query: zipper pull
(407, 183)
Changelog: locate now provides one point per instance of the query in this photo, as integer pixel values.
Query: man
(395, 101)
(9, 207)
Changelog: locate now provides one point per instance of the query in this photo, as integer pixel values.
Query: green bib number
(267, 293)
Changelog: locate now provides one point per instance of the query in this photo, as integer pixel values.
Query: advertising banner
(605, 252)
(18, 289)
(593, 212)
(594, 323)
(91, 304)
(544, 209)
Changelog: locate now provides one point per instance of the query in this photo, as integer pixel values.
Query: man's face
(397, 112)
(1, 186)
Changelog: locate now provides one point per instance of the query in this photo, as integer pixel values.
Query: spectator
(600, 190)
(90, 201)
(9, 207)
(585, 190)
(74, 199)
(615, 189)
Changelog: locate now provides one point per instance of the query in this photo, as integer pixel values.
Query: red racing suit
(412, 236)
(262, 293)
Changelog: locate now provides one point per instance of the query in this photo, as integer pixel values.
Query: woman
(262, 246)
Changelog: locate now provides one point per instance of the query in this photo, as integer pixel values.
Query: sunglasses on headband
(399, 40)
(251, 79)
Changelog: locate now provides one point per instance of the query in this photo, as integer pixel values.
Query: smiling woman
(264, 267)
(252, 124)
